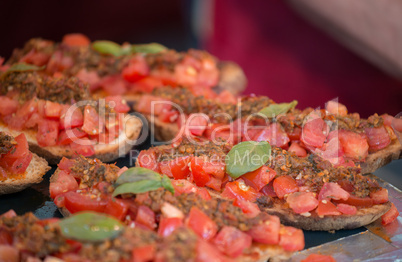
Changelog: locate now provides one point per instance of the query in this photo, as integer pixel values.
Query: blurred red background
(283, 56)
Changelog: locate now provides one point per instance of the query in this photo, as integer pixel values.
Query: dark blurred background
(282, 55)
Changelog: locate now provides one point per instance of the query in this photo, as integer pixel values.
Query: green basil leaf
(107, 47)
(151, 48)
(274, 110)
(137, 187)
(246, 157)
(22, 67)
(167, 184)
(136, 174)
(90, 227)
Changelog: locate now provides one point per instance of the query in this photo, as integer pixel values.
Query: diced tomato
(259, 178)
(269, 190)
(336, 108)
(332, 191)
(239, 190)
(395, 123)
(346, 185)
(90, 77)
(196, 124)
(354, 145)
(52, 109)
(201, 224)
(249, 208)
(76, 39)
(302, 202)
(66, 164)
(297, 149)
(33, 120)
(214, 183)
(17, 165)
(274, 134)
(145, 85)
(346, 209)
(357, 201)
(146, 217)
(8, 105)
(169, 211)
(93, 124)
(35, 58)
(9, 254)
(120, 105)
(144, 253)
(183, 187)
(390, 216)
(319, 258)
(117, 208)
(76, 202)
(226, 97)
(266, 232)
(21, 148)
(232, 241)
(314, 132)
(291, 239)
(177, 168)
(284, 185)
(152, 105)
(9, 214)
(377, 137)
(295, 134)
(169, 224)
(5, 236)
(68, 136)
(380, 196)
(71, 117)
(198, 173)
(83, 146)
(136, 69)
(48, 131)
(60, 200)
(113, 85)
(62, 183)
(15, 121)
(327, 208)
(168, 116)
(203, 193)
(206, 252)
(147, 159)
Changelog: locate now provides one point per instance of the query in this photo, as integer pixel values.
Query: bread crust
(33, 175)
(382, 157)
(364, 216)
(104, 152)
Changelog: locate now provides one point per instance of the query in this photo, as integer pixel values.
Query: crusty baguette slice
(104, 152)
(33, 175)
(257, 252)
(364, 216)
(168, 131)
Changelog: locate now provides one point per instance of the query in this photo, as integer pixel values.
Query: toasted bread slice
(364, 216)
(105, 152)
(33, 175)
(256, 253)
(168, 131)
